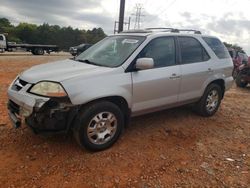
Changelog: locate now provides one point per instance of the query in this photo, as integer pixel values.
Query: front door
(159, 86)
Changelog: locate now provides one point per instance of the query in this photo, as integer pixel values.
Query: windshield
(111, 51)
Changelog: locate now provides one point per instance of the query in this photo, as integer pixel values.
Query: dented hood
(61, 70)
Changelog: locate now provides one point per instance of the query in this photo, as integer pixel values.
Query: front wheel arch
(117, 100)
(82, 120)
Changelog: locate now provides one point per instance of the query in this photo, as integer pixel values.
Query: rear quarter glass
(217, 46)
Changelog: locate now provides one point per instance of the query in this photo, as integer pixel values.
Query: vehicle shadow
(176, 126)
(145, 125)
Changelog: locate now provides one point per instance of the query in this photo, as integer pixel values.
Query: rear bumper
(229, 83)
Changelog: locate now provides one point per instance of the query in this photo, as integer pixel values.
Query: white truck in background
(35, 49)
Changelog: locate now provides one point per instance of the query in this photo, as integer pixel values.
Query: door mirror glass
(144, 63)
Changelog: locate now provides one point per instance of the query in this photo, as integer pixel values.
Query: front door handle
(174, 76)
(209, 70)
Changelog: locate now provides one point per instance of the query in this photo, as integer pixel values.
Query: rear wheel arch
(211, 97)
(219, 82)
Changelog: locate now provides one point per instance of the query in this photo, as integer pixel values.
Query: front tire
(210, 101)
(99, 125)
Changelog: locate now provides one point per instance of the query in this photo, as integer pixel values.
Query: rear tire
(40, 51)
(240, 82)
(210, 101)
(37, 51)
(235, 73)
(33, 52)
(98, 125)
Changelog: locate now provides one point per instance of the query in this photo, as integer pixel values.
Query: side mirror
(144, 63)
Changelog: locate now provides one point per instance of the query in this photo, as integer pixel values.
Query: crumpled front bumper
(22, 104)
(42, 114)
(26, 101)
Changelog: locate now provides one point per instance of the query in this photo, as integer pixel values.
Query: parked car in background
(76, 50)
(238, 58)
(243, 75)
(122, 76)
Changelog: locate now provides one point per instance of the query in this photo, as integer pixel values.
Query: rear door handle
(174, 76)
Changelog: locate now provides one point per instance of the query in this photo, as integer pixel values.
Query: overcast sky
(227, 19)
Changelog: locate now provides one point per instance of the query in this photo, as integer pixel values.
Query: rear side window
(216, 45)
(1, 37)
(192, 51)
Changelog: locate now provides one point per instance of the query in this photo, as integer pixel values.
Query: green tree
(234, 46)
(26, 32)
(64, 37)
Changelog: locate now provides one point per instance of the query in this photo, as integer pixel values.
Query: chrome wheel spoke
(102, 128)
(212, 100)
(111, 118)
(92, 132)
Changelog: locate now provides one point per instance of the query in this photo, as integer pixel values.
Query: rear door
(195, 68)
(159, 86)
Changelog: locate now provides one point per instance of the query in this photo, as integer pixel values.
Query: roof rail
(162, 29)
(173, 30)
(159, 28)
(136, 31)
(190, 30)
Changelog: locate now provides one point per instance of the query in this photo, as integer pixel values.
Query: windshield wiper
(89, 62)
(85, 61)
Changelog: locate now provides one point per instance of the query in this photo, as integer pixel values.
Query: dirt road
(173, 148)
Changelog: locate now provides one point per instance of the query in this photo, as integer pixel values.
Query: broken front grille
(19, 84)
(13, 107)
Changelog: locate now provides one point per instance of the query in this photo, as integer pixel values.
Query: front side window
(192, 51)
(216, 45)
(161, 50)
(112, 51)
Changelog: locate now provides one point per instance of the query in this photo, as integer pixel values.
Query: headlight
(49, 89)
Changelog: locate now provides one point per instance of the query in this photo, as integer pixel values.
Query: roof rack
(173, 30)
(162, 29)
(190, 30)
(137, 31)
(159, 28)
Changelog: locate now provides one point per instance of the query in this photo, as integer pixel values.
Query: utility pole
(126, 24)
(121, 16)
(138, 16)
(121, 22)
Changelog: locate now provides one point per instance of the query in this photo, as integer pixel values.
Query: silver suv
(122, 76)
